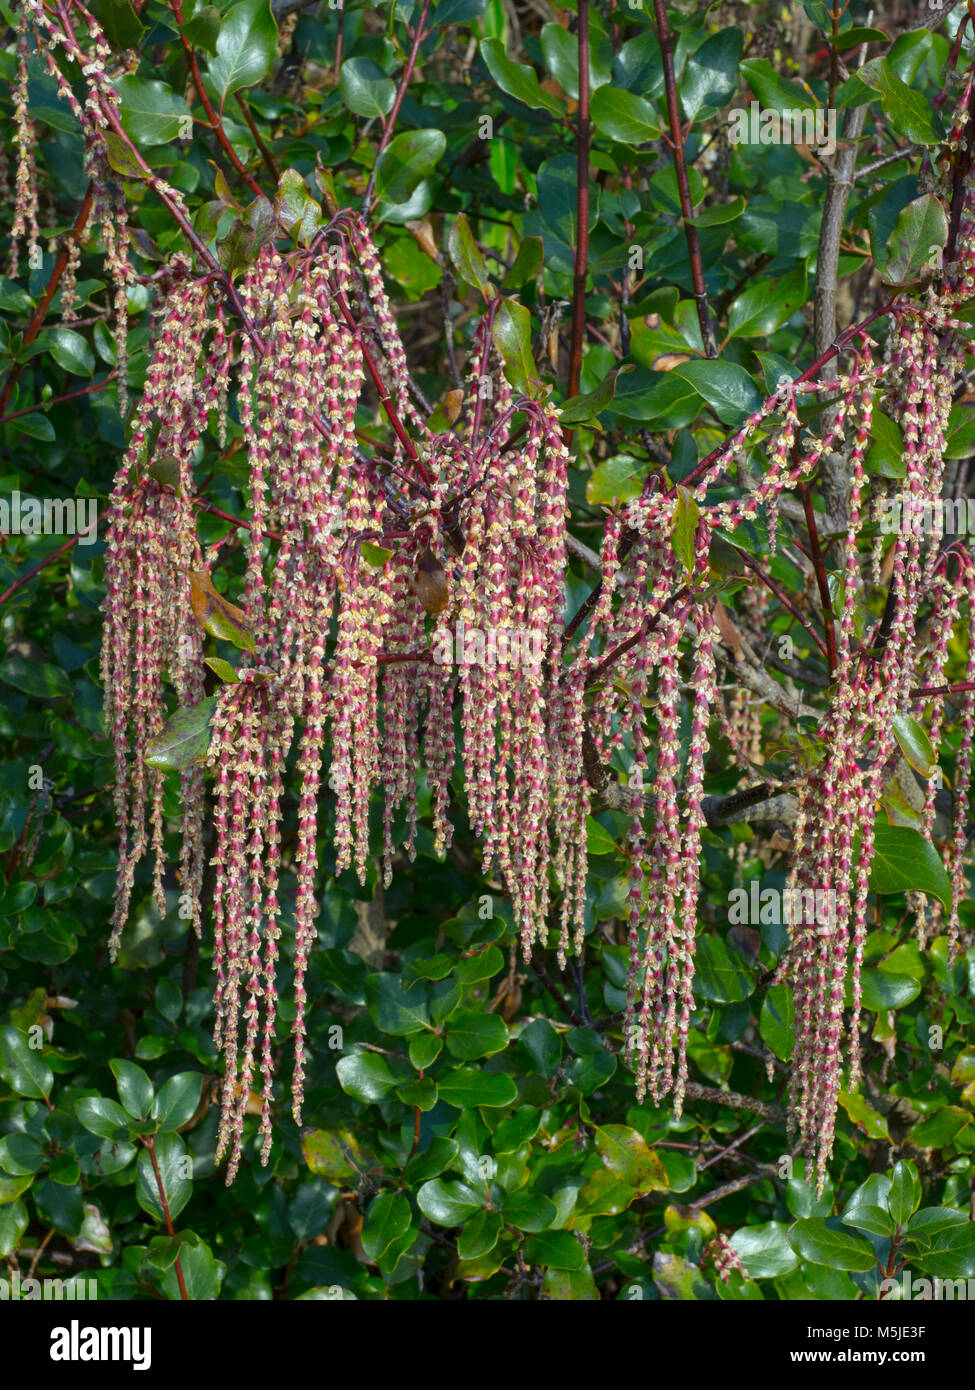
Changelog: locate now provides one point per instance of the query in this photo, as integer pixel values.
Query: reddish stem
(390, 122)
(266, 154)
(647, 626)
(59, 400)
(582, 207)
(782, 597)
(677, 144)
(150, 1142)
(215, 120)
(41, 564)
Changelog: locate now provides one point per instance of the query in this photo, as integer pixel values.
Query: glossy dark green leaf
(365, 88)
(246, 44)
(517, 79)
(152, 113)
(184, 739)
(827, 1245)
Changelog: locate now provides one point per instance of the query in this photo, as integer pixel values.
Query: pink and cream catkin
(389, 628)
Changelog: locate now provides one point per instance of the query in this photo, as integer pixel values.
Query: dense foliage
(486, 808)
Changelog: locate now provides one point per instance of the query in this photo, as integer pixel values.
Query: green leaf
(424, 1050)
(178, 1100)
(907, 110)
(687, 516)
(526, 264)
(365, 1076)
(814, 1240)
(625, 1153)
(423, 1166)
(517, 79)
(623, 116)
(905, 1191)
(580, 409)
(203, 1273)
(765, 307)
(464, 253)
(869, 1120)
(420, 1092)
(365, 88)
(711, 73)
(183, 739)
(13, 1224)
(512, 336)
(20, 1155)
(516, 1130)
(203, 29)
(223, 669)
(555, 1250)
(868, 1208)
(464, 1087)
(777, 1021)
(720, 975)
(764, 1250)
(448, 1203)
(12, 1187)
(960, 443)
(295, 208)
(915, 245)
(388, 1232)
(484, 964)
(479, 1235)
(70, 351)
(952, 1255)
(727, 388)
(617, 479)
(543, 1045)
(152, 113)
(121, 158)
(174, 1164)
(529, 1211)
(885, 456)
(774, 92)
(134, 1087)
(102, 1116)
(24, 1067)
(333, 1154)
(395, 1010)
(560, 50)
(35, 678)
(904, 859)
(14, 300)
(884, 989)
(914, 744)
(471, 1033)
(36, 426)
(247, 42)
(720, 214)
(940, 1129)
(122, 26)
(405, 162)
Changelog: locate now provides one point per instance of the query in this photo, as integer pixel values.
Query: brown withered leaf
(423, 234)
(218, 615)
(453, 403)
(430, 582)
(729, 633)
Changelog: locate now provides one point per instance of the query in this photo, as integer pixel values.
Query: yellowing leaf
(218, 615)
